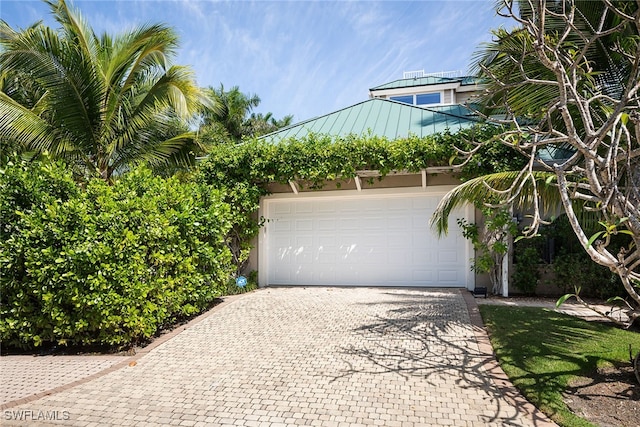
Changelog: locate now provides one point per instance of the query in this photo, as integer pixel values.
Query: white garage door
(360, 240)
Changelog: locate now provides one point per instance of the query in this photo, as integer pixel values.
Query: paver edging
(498, 376)
(226, 300)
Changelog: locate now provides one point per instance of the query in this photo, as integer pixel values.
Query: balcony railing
(420, 73)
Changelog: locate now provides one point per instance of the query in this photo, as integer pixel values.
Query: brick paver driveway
(302, 356)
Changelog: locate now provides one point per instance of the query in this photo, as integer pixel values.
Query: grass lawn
(541, 350)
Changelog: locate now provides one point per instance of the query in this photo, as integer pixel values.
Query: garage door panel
(421, 243)
(351, 205)
(403, 204)
(397, 275)
(303, 255)
(447, 276)
(325, 224)
(422, 257)
(325, 276)
(420, 222)
(424, 203)
(348, 224)
(447, 257)
(282, 225)
(424, 277)
(399, 240)
(282, 208)
(398, 222)
(327, 240)
(303, 208)
(304, 225)
(369, 276)
(361, 241)
(373, 223)
(398, 257)
(326, 259)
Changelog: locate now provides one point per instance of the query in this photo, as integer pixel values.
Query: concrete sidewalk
(570, 307)
(293, 356)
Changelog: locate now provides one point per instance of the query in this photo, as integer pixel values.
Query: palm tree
(230, 116)
(228, 111)
(261, 124)
(102, 103)
(501, 188)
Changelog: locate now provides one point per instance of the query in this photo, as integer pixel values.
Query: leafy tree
(103, 103)
(566, 85)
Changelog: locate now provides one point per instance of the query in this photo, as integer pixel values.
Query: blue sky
(305, 58)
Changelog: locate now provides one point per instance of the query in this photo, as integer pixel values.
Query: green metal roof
(426, 81)
(382, 118)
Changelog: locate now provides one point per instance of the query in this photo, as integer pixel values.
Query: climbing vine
(316, 159)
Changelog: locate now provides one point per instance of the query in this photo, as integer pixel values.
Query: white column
(505, 275)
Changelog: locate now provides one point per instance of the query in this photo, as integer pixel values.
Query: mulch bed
(609, 398)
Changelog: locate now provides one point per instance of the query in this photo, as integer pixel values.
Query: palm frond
(498, 189)
(62, 71)
(24, 128)
(75, 27)
(177, 89)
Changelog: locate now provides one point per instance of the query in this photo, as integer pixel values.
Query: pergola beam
(294, 187)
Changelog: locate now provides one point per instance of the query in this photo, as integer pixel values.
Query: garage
(378, 237)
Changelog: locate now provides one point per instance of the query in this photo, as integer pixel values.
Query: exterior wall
(389, 181)
(254, 255)
(449, 97)
(462, 97)
(482, 279)
(392, 181)
(442, 179)
(546, 284)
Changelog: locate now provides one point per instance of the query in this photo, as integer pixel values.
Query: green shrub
(558, 247)
(316, 159)
(571, 265)
(527, 273)
(577, 271)
(108, 264)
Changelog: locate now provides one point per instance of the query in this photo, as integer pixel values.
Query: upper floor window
(407, 99)
(421, 99)
(428, 98)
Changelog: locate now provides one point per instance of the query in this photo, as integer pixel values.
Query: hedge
(105, 264)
